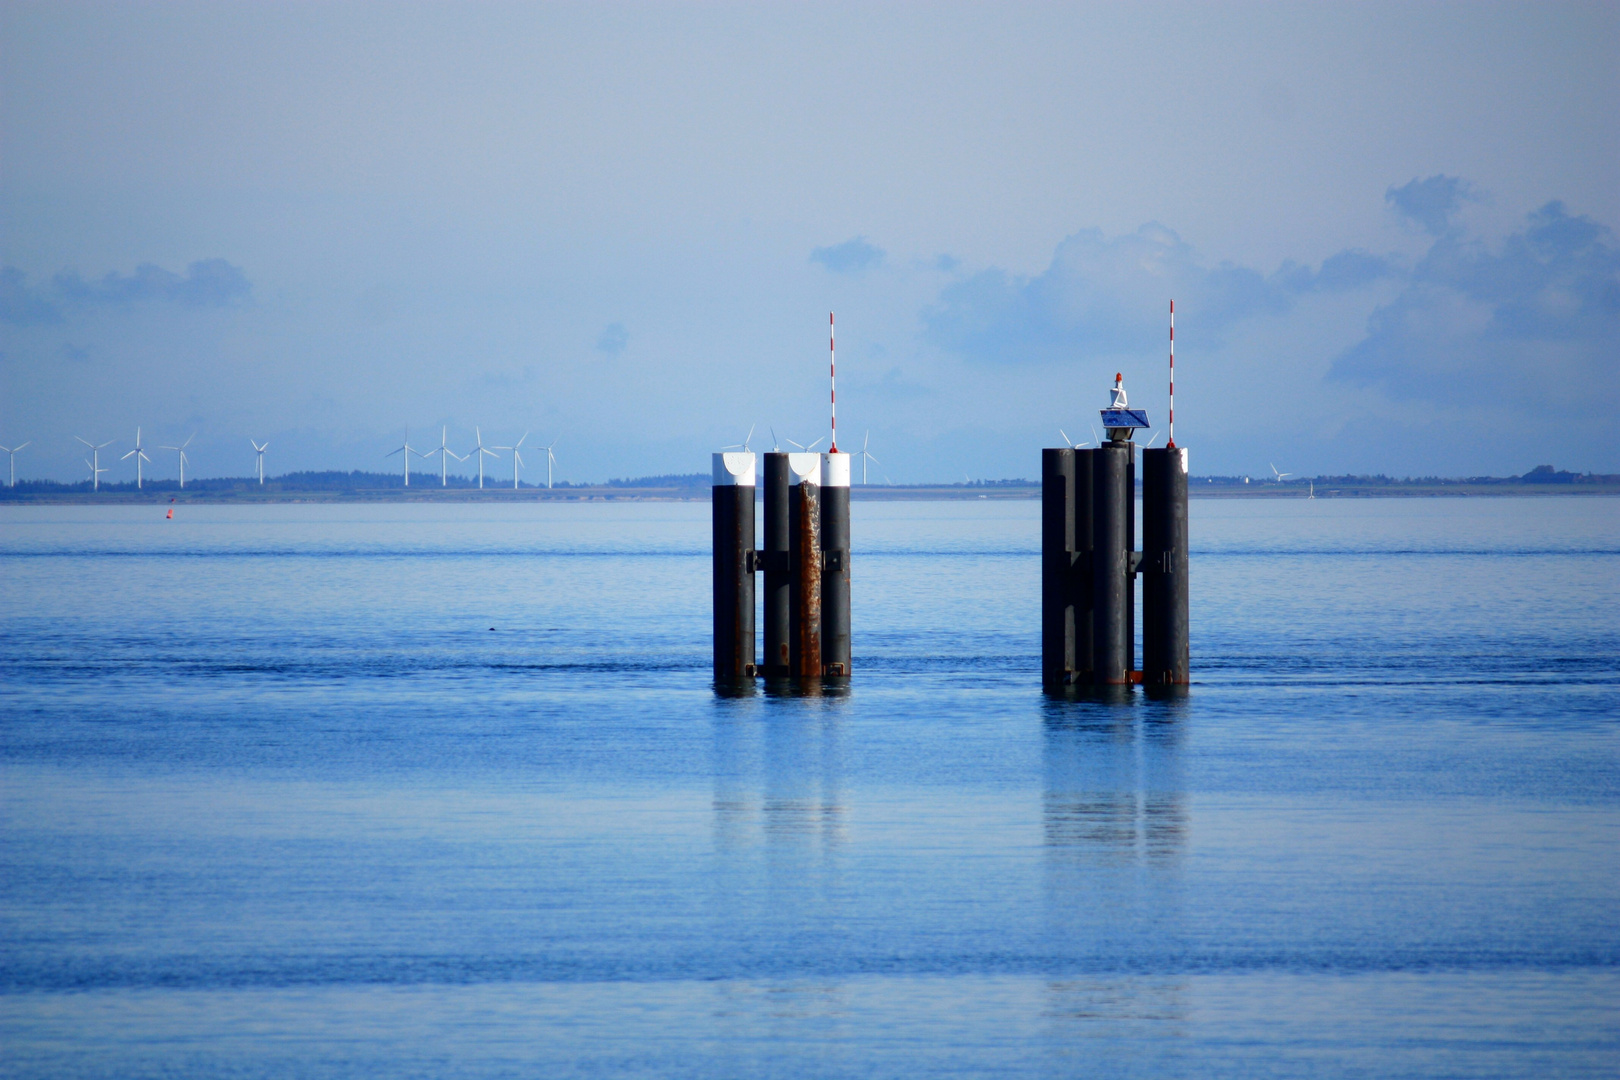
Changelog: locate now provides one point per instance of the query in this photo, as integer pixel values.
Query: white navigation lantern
(1118, 418)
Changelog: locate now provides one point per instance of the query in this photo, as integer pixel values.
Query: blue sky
(1389, 230)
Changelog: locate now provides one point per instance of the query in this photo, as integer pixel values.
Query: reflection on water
(777, 777)
(1113, 787)
(1114, 831)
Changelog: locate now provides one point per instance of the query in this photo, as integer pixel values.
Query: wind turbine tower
(481, 451)
(95, 463)
(517, 458)
(260, 451)
(181, 451)
(139, 455)
(406, 450)
(445, 454)
(551, 461)
(866, 457)
(12, 451)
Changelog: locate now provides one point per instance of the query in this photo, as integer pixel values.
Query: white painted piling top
(735, 469)
(1181, 451)
(804, 469)
(835, 470)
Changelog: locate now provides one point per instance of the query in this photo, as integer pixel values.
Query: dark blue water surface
(422, 791)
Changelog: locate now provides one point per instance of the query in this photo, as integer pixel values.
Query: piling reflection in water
(1114, 819)
(1114, 832)
(778, 774)
(1112, 782)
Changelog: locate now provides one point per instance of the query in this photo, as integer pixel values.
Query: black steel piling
(733, 525)
(1113, 508)
(835, 659)
(1059, 619)
(778, 568)
(1081, 584)
(1166, 657)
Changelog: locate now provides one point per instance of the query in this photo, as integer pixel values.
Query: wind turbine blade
(85, 441)
(520, 441)
(872, 459)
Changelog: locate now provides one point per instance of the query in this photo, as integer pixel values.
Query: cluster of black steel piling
(1089, 565)
(805, 560)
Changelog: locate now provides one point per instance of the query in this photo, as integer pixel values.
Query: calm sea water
(424, 791)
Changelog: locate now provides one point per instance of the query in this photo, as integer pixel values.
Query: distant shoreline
(873, 492)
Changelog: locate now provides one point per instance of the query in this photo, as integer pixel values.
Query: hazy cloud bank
(1102, 296)
(1534, 316)
(1532, 319)
(206, 283)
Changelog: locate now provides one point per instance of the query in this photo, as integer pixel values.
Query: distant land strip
(312, 487)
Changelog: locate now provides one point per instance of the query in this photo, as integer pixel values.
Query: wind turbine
(806, 449)
(139, 455)
(260, 451)
(551, 459)
(95, 465)
(12, 450)
(776, 444)
(181, 451)
(743, 446)
(1312, 495)
(1279, 475)
(480, 450)
(1070, 442)
(866, 457)
(445, 454)
(407, 450)
(517, 458)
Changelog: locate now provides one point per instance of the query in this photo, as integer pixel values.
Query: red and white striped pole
(1171, 445)
(832, 354)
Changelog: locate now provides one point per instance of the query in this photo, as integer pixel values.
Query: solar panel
(1125, 418)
